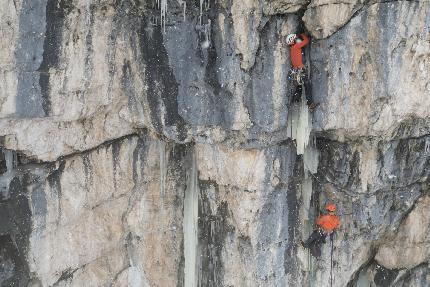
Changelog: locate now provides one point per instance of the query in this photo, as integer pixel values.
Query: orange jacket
(296, 52)
(328, 222)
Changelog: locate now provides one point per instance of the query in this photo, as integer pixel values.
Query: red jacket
(328, 222)
(296, 52)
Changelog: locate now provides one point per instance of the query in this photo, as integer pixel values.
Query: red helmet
(330, 207)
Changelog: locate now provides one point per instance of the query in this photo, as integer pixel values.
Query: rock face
(282, 6)
(325, 17)
(409, 247)
(141, 147)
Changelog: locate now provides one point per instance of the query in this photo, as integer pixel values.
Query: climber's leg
(315, 250)
(297, 94)
(295, 88)
(314, 242)
(315, 236)
(308, 92)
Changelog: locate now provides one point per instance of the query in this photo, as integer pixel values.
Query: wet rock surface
(140, 147)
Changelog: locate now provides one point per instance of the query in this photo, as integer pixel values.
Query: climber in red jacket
(296, 43)
(327, 224)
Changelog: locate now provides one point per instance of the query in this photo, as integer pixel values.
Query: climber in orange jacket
(327, 224)
(296, 43)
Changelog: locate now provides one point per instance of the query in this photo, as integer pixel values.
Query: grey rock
(166, 155)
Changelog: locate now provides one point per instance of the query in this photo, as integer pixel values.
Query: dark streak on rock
(89, 49)
(291, 264)
(115, 157)
(15, 228)
(66, 275)
(56, 13)
(87, 169)
(139, 155)
(214, 228)
(12, 268)
(339, 164)
(127, 85)
(221, 96)
(54, 181)
(162, 86)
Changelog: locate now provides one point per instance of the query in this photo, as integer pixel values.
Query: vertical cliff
(155, 143)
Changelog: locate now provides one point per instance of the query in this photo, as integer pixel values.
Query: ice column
(162, 4)
(300, 123)
(190, 226)
(310, 167)
(5, 179)
(184, 4)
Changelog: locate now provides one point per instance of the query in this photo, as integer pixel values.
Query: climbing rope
(331, 259)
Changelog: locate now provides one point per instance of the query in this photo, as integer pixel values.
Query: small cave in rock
(384, 276)
(374, 275)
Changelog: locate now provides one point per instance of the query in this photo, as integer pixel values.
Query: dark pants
(298, 89)
(314, 242)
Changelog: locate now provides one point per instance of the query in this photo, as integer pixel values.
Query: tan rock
(58, 138)
(241, 168)
(273, 7)
(324, 17)
(94, 234)
(246, 16)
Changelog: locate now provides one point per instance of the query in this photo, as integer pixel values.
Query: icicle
(190, 226)
(306, 196)
(310, 166)
(9, 157)
(304, 125)
(427, 146)
(183, 3)
(163, 167)
(207, 31)
(163, 11)
(6, 178)
(311, 158)
(201, 11)
(300, 121)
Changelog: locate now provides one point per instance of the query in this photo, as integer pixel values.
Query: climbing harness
(298, 75)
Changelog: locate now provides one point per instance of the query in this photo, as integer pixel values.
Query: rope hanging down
(331, 259)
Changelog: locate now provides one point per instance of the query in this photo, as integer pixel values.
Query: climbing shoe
(300, 243)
